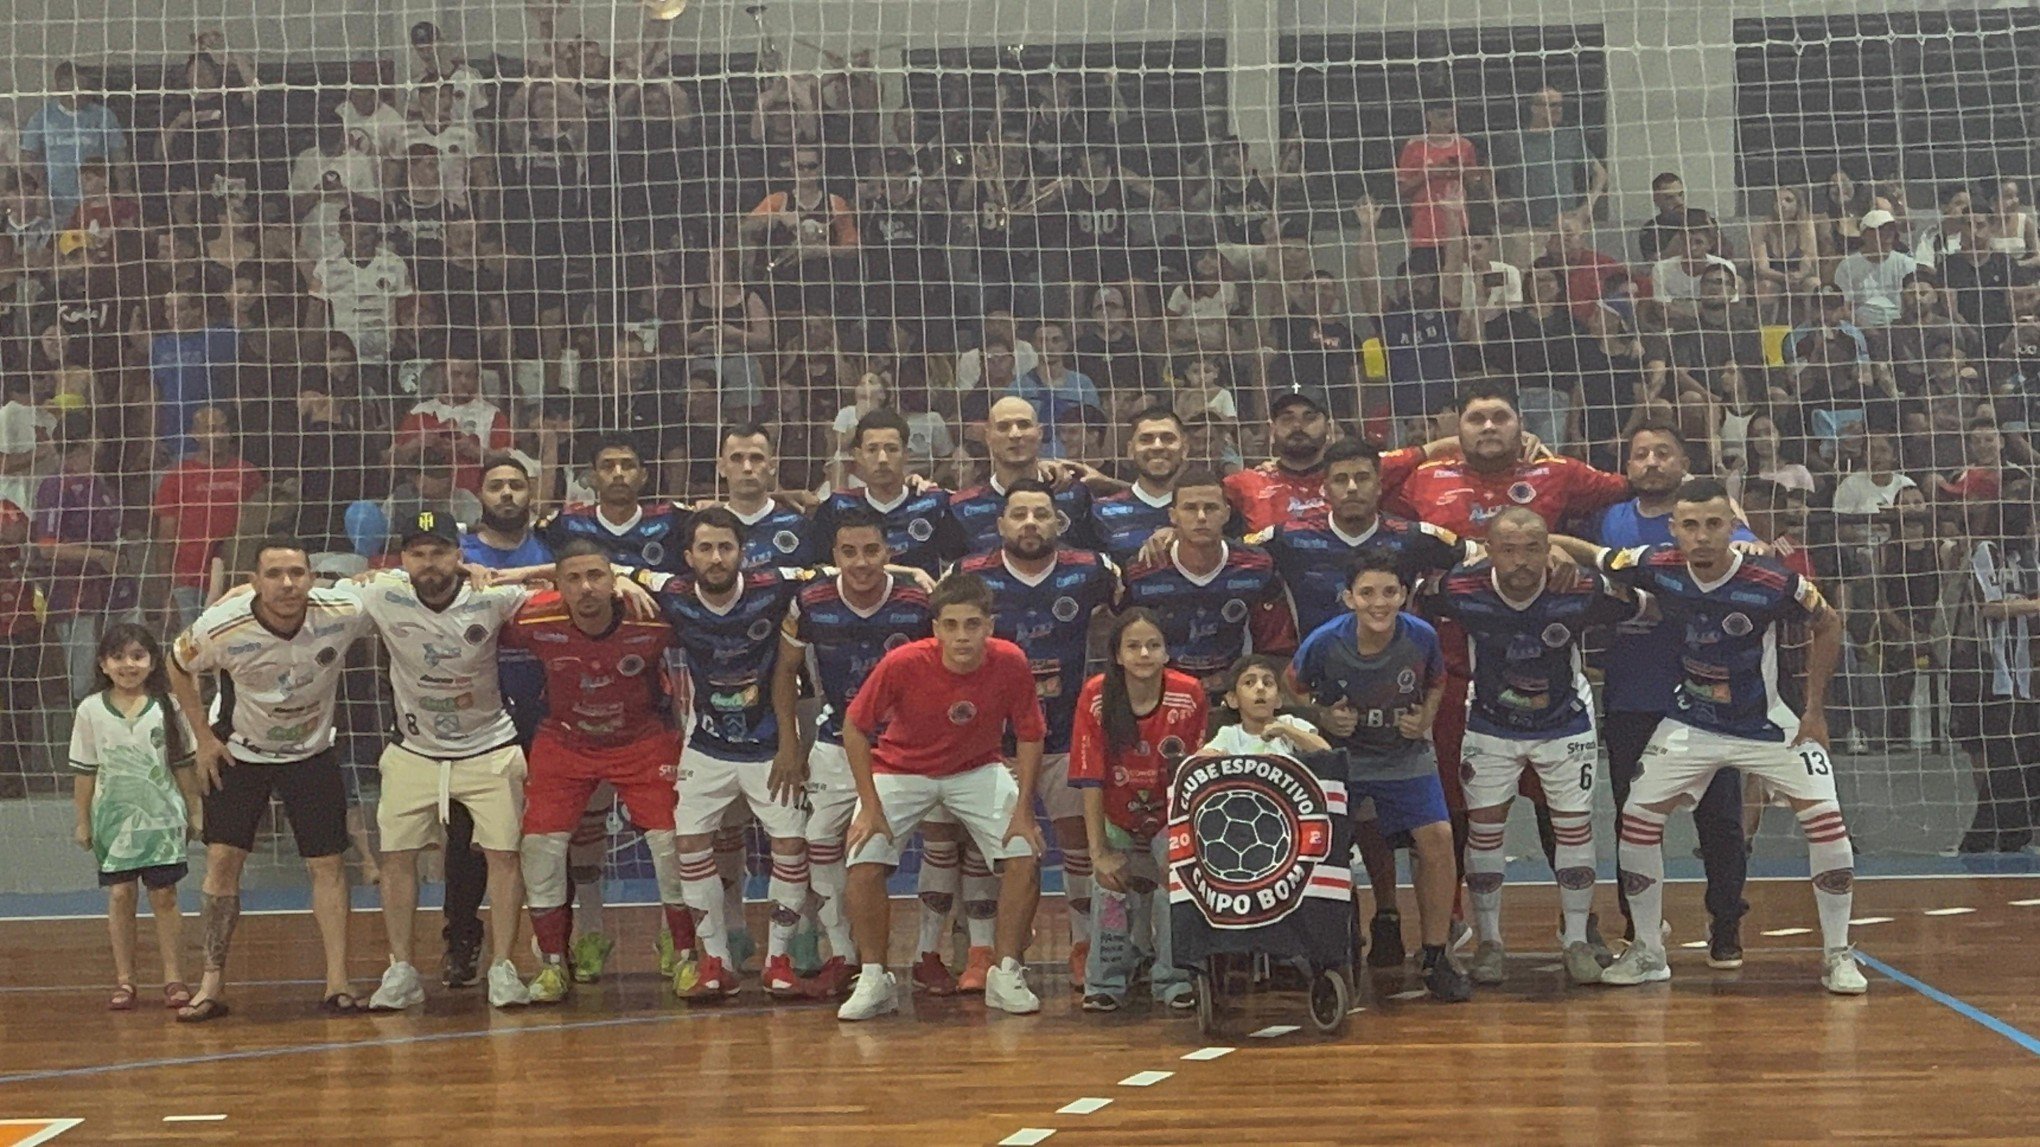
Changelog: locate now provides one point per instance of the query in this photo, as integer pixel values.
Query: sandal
(176, 994)
(343, 1004)
(203, 1011)
(123, 999)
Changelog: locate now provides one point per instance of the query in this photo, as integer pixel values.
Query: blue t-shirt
(1640, 667)
(782, 536)
(190, 370)
(977, 509)
(1527, 683)
(1055, 405)
(1330, 668)
(1050, 620)
(521, 675)
(67, 138)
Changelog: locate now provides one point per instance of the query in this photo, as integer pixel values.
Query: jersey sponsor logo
(1522, 493)
(760, 629)
(920, 529)
(475, 634)
(435, 656)
(1234, 610)
(1064, 609)
(1247, 835)
(1737, 625)
(785, 541)
(630, 665)
(290, 734)
(1556, 635)
(962, 713)
(243, 647)
(447, 704)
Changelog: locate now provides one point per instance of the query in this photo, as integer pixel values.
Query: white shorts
(1680, 761)
(831, 793)
(1491, 766)
(710, 786)
(418, 792)
(1052, 784)
(981, 799)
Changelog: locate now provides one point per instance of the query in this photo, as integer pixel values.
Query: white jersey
(1234, 740)
(443, 665)
(277, 698)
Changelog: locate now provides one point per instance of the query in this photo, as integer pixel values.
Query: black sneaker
(1724, 944)
(461, 966)
(1384, 943)
(1446, 983)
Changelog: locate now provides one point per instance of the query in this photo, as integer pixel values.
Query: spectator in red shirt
(945, 705)
(1431, 174)
(1587, 271)
(469, 425)
(1983, 479)
(198, 506)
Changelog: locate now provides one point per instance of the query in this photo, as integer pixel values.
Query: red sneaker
(714, 982)
(974, 973)
(831, 980)
(932, 976)
(779, 978)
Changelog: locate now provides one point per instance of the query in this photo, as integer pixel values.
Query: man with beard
(1044, 596)
(1290, 485)
(775, 534)
(1158, 446)
(1013, 437)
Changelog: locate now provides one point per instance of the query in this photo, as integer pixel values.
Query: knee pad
(544, 861)
(938, 902)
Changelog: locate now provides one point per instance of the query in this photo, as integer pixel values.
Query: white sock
(1643, 872)
(1574, 871)
(1486, 868)
(703, 893)
(875, 971)
(789, 891)
(1077, 892)
(826, 880)
(1833, 860)
(980, 899)
(938, 885)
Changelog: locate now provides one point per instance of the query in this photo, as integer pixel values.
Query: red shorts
(559, 779)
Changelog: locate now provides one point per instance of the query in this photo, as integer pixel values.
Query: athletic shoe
(1183, 999)
(742, 948)
(1459, 937)
(975, 967)
(1724, 944)
(461, 967)
(1007, 990)
(830, 980)
(685, 974)
(1446, 983)
(1080, 958)
(550, 985)
(1640, 964)
(1582, 965)
(872, 997)
(1490, 964)
(712, 981)
(399, 989)
(506, 987)
(1384, 944)
(1842, 975)
(663, 945)
(590, 955)
(1603, 954)
(806, 951)
(780, 980)
(932, 976)
(1101, 1003)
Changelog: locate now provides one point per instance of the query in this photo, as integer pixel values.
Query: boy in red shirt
(945, 705)
(198, 506)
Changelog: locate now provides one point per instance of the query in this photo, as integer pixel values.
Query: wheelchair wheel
(1331, 997)
(1208, 988)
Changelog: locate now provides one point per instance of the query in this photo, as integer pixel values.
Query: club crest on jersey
(1247, 836)
(1522, 493)
(1233, 610)
(326, 655)
(1556, 635)
(920, 529)
(1173, 748)
(785, 541)
(962, 712)
(760, 629)
(475, 634)
(653, 553)
(1737, 625)
(1064, 609)
(1406, 680)
(630, 665)
(895, 640)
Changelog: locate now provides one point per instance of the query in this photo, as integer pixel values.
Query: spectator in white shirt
(1873, 278)
(1864, 499)
(373, 127)
(1677, 276)
(332, 169)
(438, 63)
(357, 290)
(434, 124)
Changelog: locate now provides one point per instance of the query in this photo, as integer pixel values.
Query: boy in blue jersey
(1377, 676)
(1013, 440)
(1728, 714)
(837, 630)
(1044, 596)
(1529, 709)
(1158, 446)
(918, 525)
(775, 534)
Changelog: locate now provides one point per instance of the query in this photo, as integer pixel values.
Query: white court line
(194, 1118)
(2026, 903)
(1027, 1137)
(51, 1128)
(1547, 967)
(1948, 911)
(1084, 1106)
(1412, 994)
(1206, 1053)
(1788, 932)
(1860, 921)
(1145, 1078)
(1274, 1030)
(1694, 944)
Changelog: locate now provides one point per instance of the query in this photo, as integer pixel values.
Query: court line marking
(1788, 932)
(1947, 911)
(1027, 1137)
(194, 1118)
(1207, 1053)
(1959, 1006)
(2026, 903)
(51, 1128)
(1861, 921)
(1084, 1106)
(1145, 1078)
(1274, 1030)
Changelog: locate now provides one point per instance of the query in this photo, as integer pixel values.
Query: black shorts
(314, 798)
(154, 877)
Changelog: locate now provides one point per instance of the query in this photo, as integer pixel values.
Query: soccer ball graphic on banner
(1246, 836)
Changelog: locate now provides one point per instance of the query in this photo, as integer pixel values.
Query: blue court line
(1959, 1007)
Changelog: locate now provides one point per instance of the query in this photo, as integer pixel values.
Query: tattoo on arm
(220, 914)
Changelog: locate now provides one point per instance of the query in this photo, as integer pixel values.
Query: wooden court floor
(1757, 1056)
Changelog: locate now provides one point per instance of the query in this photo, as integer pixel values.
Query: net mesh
(240, 249)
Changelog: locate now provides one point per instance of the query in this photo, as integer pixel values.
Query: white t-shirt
(457, 146)
(470, 94)
(19, 423)
(1856, 496)
(443, 665)
(1669, 280)
(358, 173)
(380, 133)
(1873, 289)
(1235, 740)
(279, 706)
(363, 299)
(970, 365)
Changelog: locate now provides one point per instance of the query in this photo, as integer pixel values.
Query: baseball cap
(429, 524)
(1289, 398)
(424, 32)
(1878, 218)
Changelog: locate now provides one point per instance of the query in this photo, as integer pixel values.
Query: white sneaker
(1641, 964)
(1007, 990)
(506, 987)
(873, 996)
(400, 988)
(1842, 975)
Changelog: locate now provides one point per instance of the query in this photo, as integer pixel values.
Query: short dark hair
(496, 460)
(1027, 486)
(750, 430)
(857, 518)
(1660, 426)
(1664, 179)
(961, 589)
(879, 420)
(578, 548)
(1373, 559)
(278, 542)
(1486, 386)
(1708, 489)
(1349, 449)
(1156, 413)
(616, 442)
(1199, 476)
(714, 518)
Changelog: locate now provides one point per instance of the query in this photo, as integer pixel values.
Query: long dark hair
(1122, 726)
(118, 637)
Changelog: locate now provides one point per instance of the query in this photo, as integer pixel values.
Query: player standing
(928, 729)
(1531, 710)
(1013, 439)
(918, 525)
(1290, 486)
(1728, 714)
(1157, 446)
(775, 534)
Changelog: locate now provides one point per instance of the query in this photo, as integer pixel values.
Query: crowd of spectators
(214, 325)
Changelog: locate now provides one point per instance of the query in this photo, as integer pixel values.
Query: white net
(241, 249)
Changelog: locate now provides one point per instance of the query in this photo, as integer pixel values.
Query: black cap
(1289, 398)
(429, 524)
(424, 32)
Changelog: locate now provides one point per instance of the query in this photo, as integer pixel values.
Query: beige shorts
(418, 792)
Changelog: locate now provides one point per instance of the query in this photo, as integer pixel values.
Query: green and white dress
(138, 812)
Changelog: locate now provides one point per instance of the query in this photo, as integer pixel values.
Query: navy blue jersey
(781, 536)
(1729, 664)
(655, 539)
(1640, 667)
(519, 673)
(1049, 618)
(977, 511)
(844, 644)
(1122, 523)
(729, 655)
(1314, 557)
(1212, 621)
(1330, 668)
(917, 527)
(1527, 683)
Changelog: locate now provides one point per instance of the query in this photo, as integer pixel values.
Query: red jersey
(1449, 493)
(1271, 494)
(938, 723)
(1136, 781)
(205, 499)
(601, 691)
